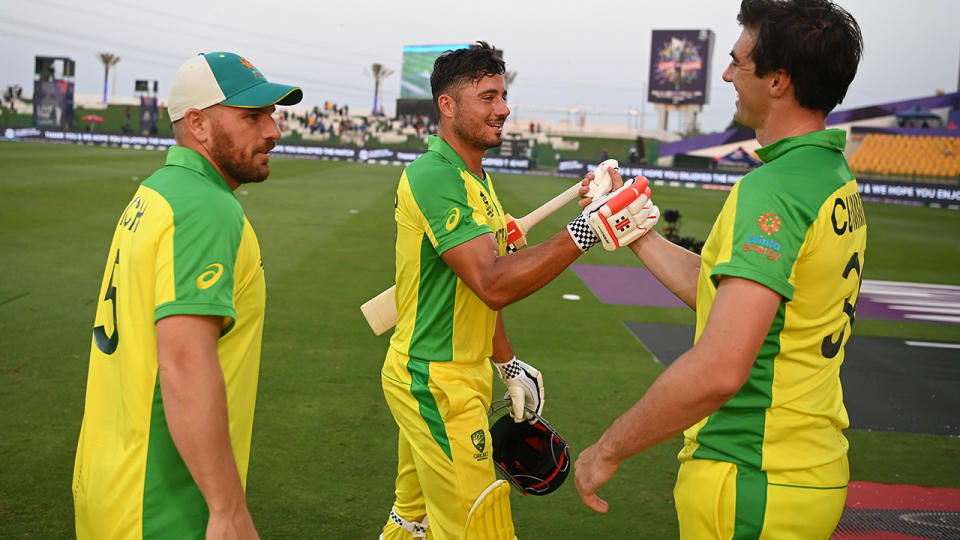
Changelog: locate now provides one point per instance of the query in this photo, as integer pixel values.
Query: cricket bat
(517, 228)
(381, 310)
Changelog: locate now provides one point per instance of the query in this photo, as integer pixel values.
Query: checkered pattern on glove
(417, 528)
(582, 233)
(524, 388)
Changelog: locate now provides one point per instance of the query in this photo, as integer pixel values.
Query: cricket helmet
(531, 455)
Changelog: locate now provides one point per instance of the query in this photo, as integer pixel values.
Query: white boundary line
(937, 345)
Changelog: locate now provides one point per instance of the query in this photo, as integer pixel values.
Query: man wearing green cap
(175, 352)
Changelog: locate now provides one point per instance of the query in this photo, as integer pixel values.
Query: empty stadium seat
(906, 155)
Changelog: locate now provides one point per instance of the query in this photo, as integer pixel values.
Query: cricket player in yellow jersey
(453, 278)
(758, 397)
(175, 354)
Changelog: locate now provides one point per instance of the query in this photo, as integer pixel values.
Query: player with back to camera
(453, 277)
(175, 354)
(758, 397)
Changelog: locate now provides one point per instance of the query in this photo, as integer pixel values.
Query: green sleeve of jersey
(441, 195)
(768, 234)
(208, 228)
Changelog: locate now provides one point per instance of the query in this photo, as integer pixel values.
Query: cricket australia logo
(479, 440)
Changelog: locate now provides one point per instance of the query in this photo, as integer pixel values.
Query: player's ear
(447, 105)
(779, 83)
(197, 124)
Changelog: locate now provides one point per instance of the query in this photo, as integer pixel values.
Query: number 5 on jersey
(108, 344)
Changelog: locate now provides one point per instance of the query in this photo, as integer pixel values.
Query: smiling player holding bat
(381, 310)
(454, 274)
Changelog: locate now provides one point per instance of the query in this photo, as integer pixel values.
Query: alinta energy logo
(246, 63)
(769, 223)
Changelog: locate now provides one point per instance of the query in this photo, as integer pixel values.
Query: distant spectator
(604, 155)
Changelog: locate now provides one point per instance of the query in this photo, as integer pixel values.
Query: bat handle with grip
(602, 183)
(549, 207)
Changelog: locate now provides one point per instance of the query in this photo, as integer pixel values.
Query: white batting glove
(599, 186)
(623, 216)
(524, 388)
(602, 183)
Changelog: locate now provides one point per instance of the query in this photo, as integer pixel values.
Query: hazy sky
(594, 54)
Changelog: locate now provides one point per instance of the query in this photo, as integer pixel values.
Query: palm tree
(109, 60)
(379, 72)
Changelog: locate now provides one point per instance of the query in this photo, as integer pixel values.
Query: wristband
(582, 233)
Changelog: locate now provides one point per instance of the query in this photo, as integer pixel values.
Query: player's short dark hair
(817, 42)
(453, 68)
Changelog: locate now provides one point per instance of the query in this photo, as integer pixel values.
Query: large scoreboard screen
(418, 65)
(680, 66)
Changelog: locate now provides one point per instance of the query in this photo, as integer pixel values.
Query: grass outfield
(324, 448)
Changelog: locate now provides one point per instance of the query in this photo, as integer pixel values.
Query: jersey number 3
(829, 348)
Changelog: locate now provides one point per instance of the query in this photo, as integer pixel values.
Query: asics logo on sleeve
(453, 217)
(211, 276)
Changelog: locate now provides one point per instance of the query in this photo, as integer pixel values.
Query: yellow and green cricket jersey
(441, 204)
(183, 246)
(797, 226)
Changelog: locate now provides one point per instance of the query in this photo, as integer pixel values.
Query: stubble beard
(473, 137)
(234, 162)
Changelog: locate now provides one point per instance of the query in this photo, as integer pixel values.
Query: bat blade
(381, 311)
